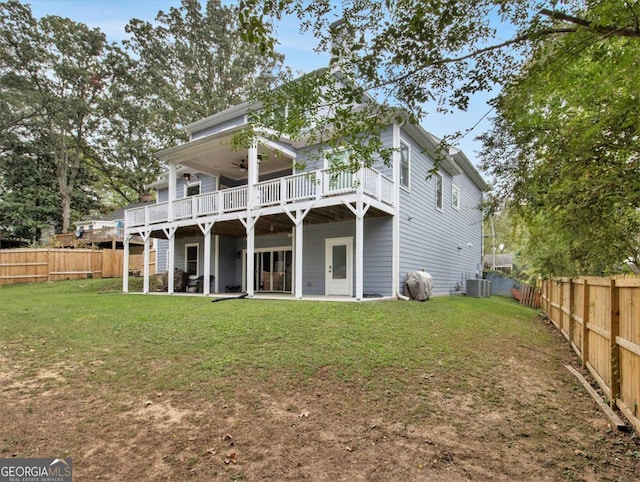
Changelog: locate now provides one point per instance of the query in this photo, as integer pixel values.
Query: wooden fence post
(49, 270)
(571, 311)
(586, 306)
(614, 331)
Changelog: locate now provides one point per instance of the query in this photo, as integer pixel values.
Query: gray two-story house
(252, 221)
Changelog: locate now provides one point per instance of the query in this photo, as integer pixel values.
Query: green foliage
(326, 109)
(414, 54)
(195, 63)
(53, 73)
(564, 150)
(97, 112)
(28, 193)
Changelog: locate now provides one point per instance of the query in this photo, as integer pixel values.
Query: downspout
(396, 217)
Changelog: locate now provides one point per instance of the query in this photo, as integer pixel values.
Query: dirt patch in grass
(523, 418)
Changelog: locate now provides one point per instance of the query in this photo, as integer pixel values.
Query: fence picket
(609, 340)
(33, 265)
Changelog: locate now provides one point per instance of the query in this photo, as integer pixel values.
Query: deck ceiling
(272, 224)
(215, 155)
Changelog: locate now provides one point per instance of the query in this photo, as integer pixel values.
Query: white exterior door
(340, 180)
(339, 266)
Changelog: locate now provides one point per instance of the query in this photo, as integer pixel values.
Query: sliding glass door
(273, 269)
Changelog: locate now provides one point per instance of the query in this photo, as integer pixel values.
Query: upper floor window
(404, 164)
(191, 188)
(439, 183)
(455, 197)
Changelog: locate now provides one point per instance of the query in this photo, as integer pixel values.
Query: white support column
(252, 173)
(297, 220)
(359, 212)
(298, 260)
(206, 282)
(252, 180)
(147, 238)
(171, 258)
(216, 271)
(359, 251)
(249, 225)
(173, 180)
(251, 239)
(125, 264)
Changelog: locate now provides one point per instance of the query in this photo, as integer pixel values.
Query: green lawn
(178, 341)
(178, 388)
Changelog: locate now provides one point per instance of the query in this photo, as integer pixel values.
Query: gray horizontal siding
(378, 259)
(377, 255)
(429, 238)
(162, 245)
(312, 157)
(230, 267)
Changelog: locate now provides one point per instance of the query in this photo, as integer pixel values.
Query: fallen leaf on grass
(304, 414)
(231, 458)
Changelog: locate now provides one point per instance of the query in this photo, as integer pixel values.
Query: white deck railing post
(283, 191)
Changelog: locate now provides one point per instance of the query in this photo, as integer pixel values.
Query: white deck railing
(282, 191)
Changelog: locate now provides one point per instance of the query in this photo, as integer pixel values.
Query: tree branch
(603, 29)
(449, 60)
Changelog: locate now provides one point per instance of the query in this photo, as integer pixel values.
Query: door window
(191, 260)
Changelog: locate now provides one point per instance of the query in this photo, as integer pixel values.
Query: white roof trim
(224, 116)
(277, 147)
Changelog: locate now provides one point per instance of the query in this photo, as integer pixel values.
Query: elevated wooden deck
(112, 238)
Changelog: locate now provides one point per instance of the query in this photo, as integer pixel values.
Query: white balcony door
(339, 266)
(341, 180)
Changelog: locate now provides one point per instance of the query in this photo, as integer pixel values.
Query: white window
(455, 197)
(404, 164)
(438, 192)
(191, 188)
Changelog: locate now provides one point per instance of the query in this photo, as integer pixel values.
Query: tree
(565, 142)
(28, 192)
(195, 62)
(130, 131)
(414, 54)
(188, 65)
(565, 151)
(53, 72)
(98, 112)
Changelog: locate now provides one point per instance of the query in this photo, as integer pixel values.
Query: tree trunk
(65, 198)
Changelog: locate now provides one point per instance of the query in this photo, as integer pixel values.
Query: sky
(111, 16)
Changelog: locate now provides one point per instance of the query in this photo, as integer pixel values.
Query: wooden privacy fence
(600, 317)
(32, 265)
